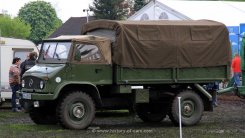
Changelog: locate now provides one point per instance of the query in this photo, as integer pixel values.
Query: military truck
(141, 66)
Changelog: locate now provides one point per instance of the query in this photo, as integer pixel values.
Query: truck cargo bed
(174, 75)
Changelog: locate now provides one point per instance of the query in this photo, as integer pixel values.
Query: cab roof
(78, 38)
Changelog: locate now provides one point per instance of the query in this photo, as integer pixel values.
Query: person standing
(28, 63)
(14, 81)
(236, 69)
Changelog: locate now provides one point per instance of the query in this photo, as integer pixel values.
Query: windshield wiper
(57, 55)
(46, 52)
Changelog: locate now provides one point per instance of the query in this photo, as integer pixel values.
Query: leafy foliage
(42, 18)
(14, 27)
(109, 9)
(138, 4)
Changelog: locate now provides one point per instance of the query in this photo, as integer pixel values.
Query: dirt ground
(226, 121)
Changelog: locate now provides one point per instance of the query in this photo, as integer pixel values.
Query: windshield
(55, 50)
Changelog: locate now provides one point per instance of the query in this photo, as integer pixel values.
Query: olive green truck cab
(140, 66)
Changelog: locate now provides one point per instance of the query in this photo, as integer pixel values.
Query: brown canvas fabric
(167, 44)
(102, 43)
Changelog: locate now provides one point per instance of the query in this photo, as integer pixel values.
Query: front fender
(62, 85)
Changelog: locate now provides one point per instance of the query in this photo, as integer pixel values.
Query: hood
(41, 70)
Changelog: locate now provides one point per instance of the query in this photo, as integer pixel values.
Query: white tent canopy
(5, 41)
(229, 13)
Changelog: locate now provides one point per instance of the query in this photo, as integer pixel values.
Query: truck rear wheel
(191, 109)
(150, 113)
(76, 110)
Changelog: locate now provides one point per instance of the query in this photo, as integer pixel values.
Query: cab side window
(87, 53)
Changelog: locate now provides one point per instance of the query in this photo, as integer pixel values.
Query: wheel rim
(77, 111)
(188, 108)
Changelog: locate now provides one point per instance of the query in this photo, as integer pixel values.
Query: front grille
(32, 82)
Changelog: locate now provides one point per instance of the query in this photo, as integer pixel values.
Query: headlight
(41, 84)
(23, 83)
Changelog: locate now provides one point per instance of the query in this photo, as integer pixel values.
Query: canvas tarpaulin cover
(167, 44)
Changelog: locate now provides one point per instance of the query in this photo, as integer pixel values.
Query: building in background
(73, 26)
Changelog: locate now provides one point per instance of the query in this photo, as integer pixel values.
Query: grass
(55, 131)
(8, 115)
(30, 130)
(119, 127)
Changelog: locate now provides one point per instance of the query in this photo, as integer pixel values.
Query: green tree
(42, 18)
(138, 4)
(14, 27)
(109, 9)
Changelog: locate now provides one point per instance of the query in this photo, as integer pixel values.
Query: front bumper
(34, 100)
(35, 96)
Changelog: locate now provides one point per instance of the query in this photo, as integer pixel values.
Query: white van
(10, 48)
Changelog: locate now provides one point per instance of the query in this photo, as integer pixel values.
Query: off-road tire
(189, 100)
(150, 114)
(43, 115)
(76, 110)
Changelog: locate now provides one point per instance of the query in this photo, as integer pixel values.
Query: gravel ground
(227, 120)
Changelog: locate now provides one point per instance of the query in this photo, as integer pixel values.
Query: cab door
(91, 64)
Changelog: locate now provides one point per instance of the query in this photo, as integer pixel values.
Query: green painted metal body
(94, 75)
(70, 74)
(97, 74)
(241, 90)
(242, 52)
(173, 75)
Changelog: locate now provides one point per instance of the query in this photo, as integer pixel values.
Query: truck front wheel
(76, 110)
(191, 109)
